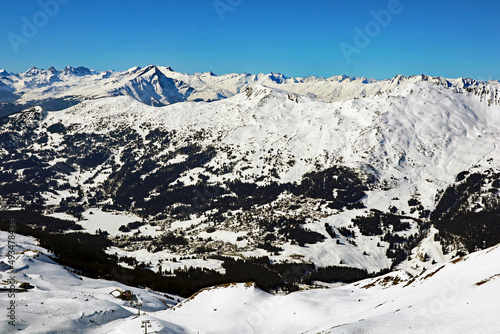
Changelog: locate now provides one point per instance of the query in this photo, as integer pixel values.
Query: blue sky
(451, 38)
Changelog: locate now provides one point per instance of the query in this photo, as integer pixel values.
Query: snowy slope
(62, 302)
(417, 138)
(459, 296)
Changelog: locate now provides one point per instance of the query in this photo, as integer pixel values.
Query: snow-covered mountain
(159, 86)
(331, 172)
(457, 296)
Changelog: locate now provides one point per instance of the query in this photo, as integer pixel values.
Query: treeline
(372, 224)
(349, 187)
(35, 219)
(292, 274)
(474, 230)
(455, 196)
(288, 227)
(332, 274)
(340, 186)
(467, 217)
(126, 184)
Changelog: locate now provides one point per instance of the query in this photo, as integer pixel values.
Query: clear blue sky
(451, 38)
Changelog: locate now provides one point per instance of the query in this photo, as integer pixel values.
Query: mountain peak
(340, 78)
(32, 71)
(277, 77)
(151, 70)
(79, 71)
(398, 79)
(257, 91)
(264, 93)
(133, 70)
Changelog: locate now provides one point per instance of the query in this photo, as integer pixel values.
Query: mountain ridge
(56, 90)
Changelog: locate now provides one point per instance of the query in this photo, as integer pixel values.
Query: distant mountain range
(159, 86)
